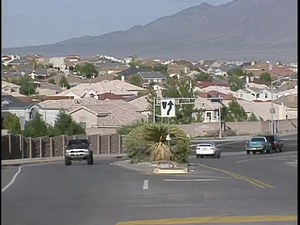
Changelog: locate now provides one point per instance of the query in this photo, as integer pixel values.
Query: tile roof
(118, 112)
(114, 86)
(141, 103)
(14, 103)
(152, 75)
(203, 103)
(110, 96)
(130, 71)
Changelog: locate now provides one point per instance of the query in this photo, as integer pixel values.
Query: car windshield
(258, 139)
(78, 143)
(205, 145)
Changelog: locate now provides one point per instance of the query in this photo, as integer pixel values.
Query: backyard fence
(13, 145)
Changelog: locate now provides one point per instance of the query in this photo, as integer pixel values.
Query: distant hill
(242, 29)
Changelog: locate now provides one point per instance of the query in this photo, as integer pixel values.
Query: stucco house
(254, 93)
(209, 110)
(27, 109)
(93, 113)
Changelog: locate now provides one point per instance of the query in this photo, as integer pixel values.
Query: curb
(16, 162)
(177, 170)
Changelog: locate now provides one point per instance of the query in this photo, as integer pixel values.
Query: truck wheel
(254, 152)
(248, 152)
(197, 156)
(90, 160)
(67, 161)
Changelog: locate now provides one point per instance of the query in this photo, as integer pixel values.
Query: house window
(82, 121)
(208, 115)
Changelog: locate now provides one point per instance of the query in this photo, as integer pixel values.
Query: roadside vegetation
(37, 127)
(148, 143)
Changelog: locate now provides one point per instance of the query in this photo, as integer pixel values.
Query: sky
(36, 22)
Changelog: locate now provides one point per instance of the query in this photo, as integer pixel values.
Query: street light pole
(272, 110)
(220, 121)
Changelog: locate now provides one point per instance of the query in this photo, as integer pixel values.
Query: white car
(208, 149)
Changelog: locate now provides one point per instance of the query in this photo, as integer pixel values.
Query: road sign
(167, 108)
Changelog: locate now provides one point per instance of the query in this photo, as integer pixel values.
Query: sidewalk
(16, 162)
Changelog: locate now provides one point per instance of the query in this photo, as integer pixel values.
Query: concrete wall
(240, 128)
(11, 147)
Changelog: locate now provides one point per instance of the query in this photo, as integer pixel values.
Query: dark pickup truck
(78, 149)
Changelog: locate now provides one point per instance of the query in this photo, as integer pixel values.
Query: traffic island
(155, 168)
(176, 170)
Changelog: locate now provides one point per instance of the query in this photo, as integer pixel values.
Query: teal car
(258, 144)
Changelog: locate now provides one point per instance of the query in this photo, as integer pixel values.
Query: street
(234, 189)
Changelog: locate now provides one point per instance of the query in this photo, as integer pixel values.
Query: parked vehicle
(277, 143)
(258, 144)
(78, 149)
(208, 149)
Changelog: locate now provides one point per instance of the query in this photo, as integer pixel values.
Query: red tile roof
(280, 71)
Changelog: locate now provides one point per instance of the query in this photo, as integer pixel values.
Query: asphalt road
(235, 189)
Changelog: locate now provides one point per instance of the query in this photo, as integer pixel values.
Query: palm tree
(157, 134)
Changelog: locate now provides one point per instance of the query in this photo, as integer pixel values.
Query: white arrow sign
(167, 108)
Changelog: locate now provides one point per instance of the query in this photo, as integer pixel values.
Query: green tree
(252, 118)
(27, 86)
(235, 112)
(239, 72)
(88, 70)
(51, 81)
(236, 83)
(203, 77)
(12, 124)
(182, 88)
(77, 68)
(36, 127)
(64, 83)
(136, 80)
(65, 125)
(265, 77)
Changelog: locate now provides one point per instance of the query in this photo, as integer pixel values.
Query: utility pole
(220, 121)
(154, 110)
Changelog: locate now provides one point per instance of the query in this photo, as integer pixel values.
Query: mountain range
(239, 30)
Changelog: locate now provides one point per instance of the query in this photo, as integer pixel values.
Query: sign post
(22, 121)
(168, 110)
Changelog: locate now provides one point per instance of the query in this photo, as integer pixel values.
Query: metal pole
(154, 110)
(169, 143)
(272, 124)
(220, 122)
(22, 144)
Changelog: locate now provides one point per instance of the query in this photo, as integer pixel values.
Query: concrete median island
(154, 168)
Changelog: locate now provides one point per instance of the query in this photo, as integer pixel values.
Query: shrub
(148, 143)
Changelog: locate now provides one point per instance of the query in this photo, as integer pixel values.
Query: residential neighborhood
(103, 93)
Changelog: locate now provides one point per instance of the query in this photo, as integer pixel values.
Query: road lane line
(238, 176)
(146, 184)
(188, 180)
(214, 220)
(12, 180)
